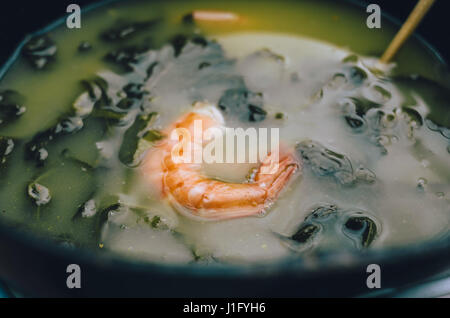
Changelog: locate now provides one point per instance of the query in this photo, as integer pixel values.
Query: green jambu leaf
(67, 155)
(413, 114)
(109, 114)
(382, 92)
(140, 128)
(357, 75)
(127, 57)
(6, 148)
(40, 51)
(125, 30)
(435, 95)
(361, 228)
(199, 40)
(134, 90)
(325, 162)
(102, 84)
(178, 42)
(97, 208)
(36, 149)
(155, 221)
(279, 115)
(86, 210)
(84, 104)
(203, 65)
(188, 19)
(153, 135)
(244, 104)
(256, 113)
(352, 58)
(354, 122)
(94, 101)
(39, 194)
(305, 233)
(10, 96)
(97, 102)
(102, 218)
(96, 90)
(11, 106)
(125, 103)
(327, 225)
(323, 212)
(84, 46)
(363, 105)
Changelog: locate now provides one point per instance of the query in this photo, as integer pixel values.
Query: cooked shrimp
(195, 195)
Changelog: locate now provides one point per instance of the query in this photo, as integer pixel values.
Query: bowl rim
(294, 265)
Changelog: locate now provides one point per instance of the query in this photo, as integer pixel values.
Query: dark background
(18, 17)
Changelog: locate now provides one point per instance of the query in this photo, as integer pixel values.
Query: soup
(82, 110)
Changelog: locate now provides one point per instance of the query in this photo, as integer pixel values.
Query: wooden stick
(407, 29)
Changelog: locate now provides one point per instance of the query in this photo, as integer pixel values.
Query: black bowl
(36, 266)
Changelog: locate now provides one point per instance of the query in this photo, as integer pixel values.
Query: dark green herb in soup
(6, 148)
(11, 106)
(40, 51)
(324, 227)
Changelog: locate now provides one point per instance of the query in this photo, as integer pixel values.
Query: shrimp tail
(196, 196)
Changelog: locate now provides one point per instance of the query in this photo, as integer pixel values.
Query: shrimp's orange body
(195, 195)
